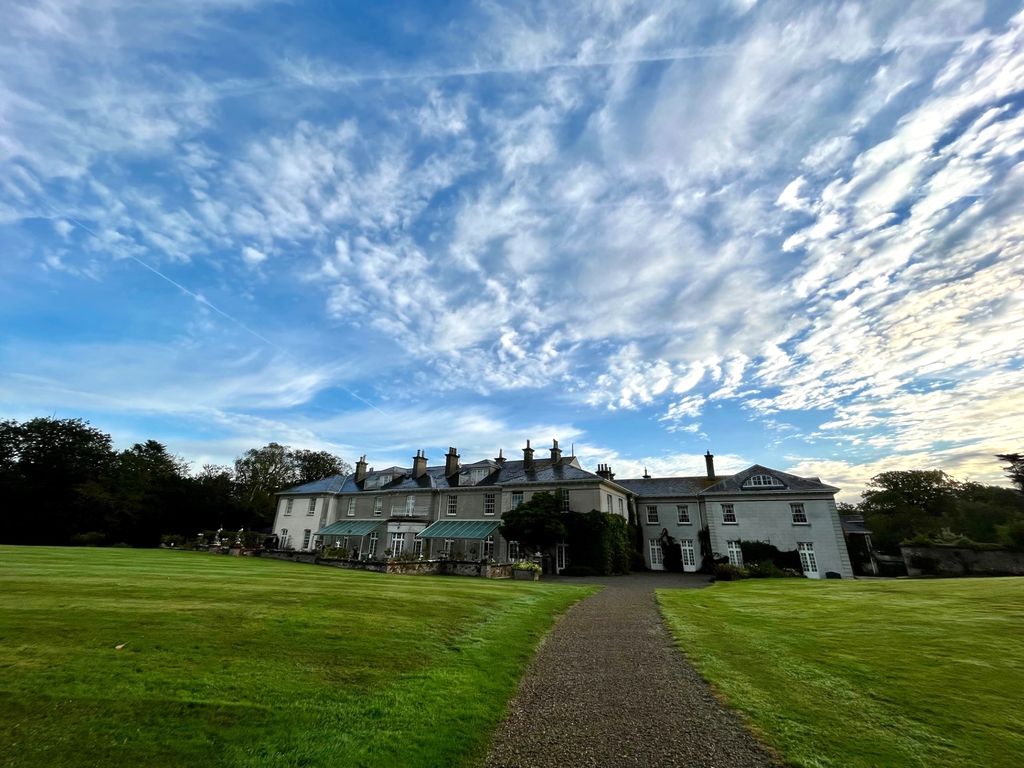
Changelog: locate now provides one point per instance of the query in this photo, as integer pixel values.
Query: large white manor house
(453, 510)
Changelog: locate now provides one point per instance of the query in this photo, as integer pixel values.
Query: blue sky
(789, 233)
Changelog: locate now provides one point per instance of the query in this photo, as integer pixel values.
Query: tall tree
(314, 465)
(901, 504)
(1014, 468)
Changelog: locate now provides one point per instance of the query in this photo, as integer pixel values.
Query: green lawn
(249, 662)
(866, 673)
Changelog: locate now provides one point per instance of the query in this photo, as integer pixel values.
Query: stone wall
(956, 561)
(408, 567)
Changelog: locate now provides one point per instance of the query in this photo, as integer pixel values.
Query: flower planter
(526, 575)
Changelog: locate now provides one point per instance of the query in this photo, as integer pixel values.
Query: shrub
(766, 570)
(89, 539)
(598, 540)
(1012, 536)
(729, 572)
(526, 565)
(671, 555)
(762, 552)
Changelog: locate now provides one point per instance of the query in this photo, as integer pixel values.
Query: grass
(246, 662)
(866, 673)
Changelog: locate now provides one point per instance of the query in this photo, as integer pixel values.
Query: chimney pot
(556, 453)
(361, 469)
(451, 462)
(419, 465)
(528, 457)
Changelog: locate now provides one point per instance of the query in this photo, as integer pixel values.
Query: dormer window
(378, 481)
(762, 481)
(473, 476)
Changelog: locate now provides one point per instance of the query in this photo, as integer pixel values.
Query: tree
(314, 465)
(901, 504)
(1014, 468)
(55, 467)
(536, 524)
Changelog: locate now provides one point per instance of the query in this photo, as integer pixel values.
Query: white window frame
(452, 505)
(517, 499)
(410, 505)
(378, 506)
(371, 545)
(735, 552)
(283, 543)
(622, 507)
(447, 549)
(688, 552)
(288, 506)
(487, 551)
(808, 560)
(762, 481)
(417, 548)
(683, 514)
(729, 514)
(799, 513)
(351, 511)
(608, 503)
(652, 514)
(397, 543)
(564, 495)
(312, 507)
(657, 556)
(306, 536)
(490, 502)
(514, 551)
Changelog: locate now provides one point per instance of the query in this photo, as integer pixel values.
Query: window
(305, 538)
(312, 506)
(655, 545)
(410, 505)
(397, 543)
(652, 514)
(689, 553)
(807, 560)
(735, 553)
(447, 550)
(489, 499)
(762, 481)
(514, 552)
(288, 506)
(488, 552)
(564, 493)
(799, 514)
(378, 505)
(683, 514)
(417, 548)
(351, 511)
(453, 505)
(729, 514)
(283, 543)
(622, 507)
(517, 499)
(371, 547)
(608, 502)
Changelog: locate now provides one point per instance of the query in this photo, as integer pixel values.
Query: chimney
(556, 453)
(605, 471)
(361, 469)
(500, 460)
(528, 457)
(419, 465)
(709, 459)
(647, 475)
(451, 463)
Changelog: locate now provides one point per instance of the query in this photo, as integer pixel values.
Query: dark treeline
(62, 482)
(921, 504)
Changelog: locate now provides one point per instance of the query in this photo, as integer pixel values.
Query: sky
(789, 233)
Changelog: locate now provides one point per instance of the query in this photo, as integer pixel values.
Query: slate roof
(509, 473)
(666, 486)
(853, 525)
(790, 483)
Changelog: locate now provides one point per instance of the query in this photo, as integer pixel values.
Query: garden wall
(958, 561)
(409, 567)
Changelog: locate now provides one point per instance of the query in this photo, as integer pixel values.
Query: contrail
(204, 301)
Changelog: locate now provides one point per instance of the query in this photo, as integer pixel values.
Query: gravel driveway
(608, 687)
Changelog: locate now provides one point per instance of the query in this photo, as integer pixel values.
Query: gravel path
(609, 688)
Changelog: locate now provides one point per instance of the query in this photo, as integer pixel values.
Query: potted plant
(526, 571)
